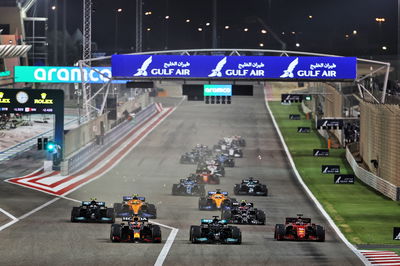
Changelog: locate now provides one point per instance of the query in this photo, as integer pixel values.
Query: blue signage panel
(246, 67)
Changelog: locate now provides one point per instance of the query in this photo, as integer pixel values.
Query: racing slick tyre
(280, 232)
(110, 214)
(263, 190)
(202, 203)
(195, 232)
(236, 234)
(175, 189)
(74, 213)
(320, 233)
(151, 209)
(236, 189)
(226, 215)
(117, 207)
(116, 233)
(260, 216)
(156, 234)
(214, 180)
(201, 191)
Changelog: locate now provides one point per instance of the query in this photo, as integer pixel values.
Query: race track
(48, 238)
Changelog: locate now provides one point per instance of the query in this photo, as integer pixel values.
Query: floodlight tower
(86, 50)
(139, 13)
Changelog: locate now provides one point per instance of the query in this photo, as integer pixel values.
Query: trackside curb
(309, 193)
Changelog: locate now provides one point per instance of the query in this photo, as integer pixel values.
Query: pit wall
(79, 137)
(380, 140)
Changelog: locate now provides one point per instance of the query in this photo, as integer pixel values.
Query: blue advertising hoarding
(234, 67)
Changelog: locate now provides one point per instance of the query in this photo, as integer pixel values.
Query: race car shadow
(107, 240)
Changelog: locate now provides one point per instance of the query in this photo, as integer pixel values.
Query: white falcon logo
(288, 73)
(216, 72)
(142, 71)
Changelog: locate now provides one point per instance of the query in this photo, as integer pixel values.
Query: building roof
(13, 50)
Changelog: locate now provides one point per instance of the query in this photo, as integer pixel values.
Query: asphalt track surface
(48, 238)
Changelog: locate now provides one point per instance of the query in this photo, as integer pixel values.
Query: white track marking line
(167, 246)
(38, 208)
(310, 194)
(12, 217)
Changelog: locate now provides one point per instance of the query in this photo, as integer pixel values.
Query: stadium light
(227, 27)
(263, 31)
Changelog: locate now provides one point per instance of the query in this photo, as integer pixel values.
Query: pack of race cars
(135, 211)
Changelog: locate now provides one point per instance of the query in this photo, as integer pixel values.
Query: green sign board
(5, 74)
(217, 90)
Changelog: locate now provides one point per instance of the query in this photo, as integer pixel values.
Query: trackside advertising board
(245, 67)
(49, 74)
(217, 90)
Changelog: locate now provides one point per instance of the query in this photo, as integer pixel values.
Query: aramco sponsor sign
(51, 74)
(217, 90)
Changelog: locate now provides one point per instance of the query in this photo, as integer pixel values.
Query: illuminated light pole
(119, 10)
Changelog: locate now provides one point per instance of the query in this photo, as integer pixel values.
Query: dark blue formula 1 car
(188, 187)
(225, 160)
(215, 231)
(93, 211)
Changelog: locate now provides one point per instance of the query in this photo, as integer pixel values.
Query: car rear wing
(214, 192)
(126, 198)
(297, 219)
(99, 203)
(208, 221)
(247, 181)
(130, 218)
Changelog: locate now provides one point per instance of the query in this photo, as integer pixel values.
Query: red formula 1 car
(299, 228)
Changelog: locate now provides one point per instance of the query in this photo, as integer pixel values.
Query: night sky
(325, 32)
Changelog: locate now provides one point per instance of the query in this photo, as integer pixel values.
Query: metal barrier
(92, 150)
(379, 184)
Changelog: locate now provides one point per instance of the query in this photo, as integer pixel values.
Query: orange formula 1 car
(216, 200)
(135, 205)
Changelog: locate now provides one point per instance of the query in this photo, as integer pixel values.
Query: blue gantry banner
(246, 67)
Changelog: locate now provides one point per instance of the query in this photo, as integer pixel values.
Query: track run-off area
(42, 234)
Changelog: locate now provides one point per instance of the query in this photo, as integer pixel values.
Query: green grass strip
(363, 215)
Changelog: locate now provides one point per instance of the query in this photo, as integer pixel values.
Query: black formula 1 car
(243, 213)
(216, 200)
(135, 205)
(299, 228)
(188, 187)
(215, 231)
(93, 211)
(137, 229)
(252, 187)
